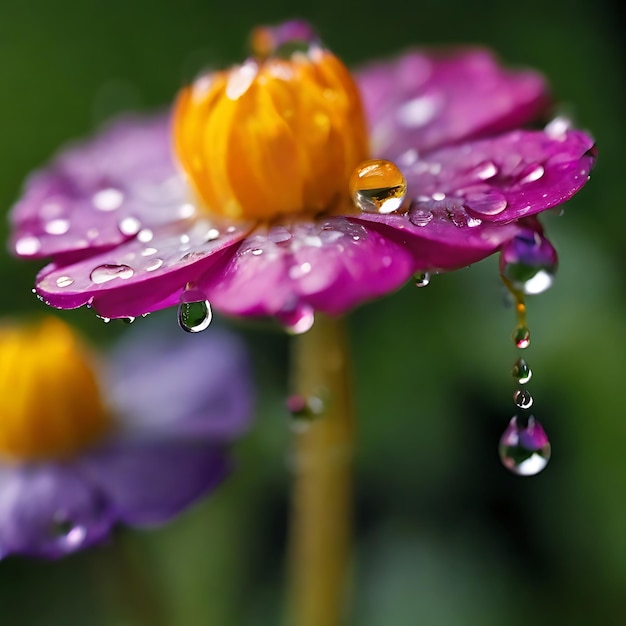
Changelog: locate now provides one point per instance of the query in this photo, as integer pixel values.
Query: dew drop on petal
(422, 279)
(484, 170)
(490, 202)
(378, 186)
(524, 447)
(521, 371)
(58, 226)
(194, 317)
(532, 173)
(129, 226)
(521, 337)
(64, 281)
(145, 235)
(420, 217)
(27, 246)
(154, 264)
(105, 273)
(69, 535)
(522, 398)
(106, 320)
(108, 199)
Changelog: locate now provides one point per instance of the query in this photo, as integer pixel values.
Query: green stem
(319, 542)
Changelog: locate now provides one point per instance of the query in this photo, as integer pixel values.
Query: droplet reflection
(524, 447)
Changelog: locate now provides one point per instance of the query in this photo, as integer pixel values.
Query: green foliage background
(445, 536)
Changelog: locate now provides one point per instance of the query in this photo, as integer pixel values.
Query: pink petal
(98, 193)
(502, 179)
(421, 101)
(137, 277)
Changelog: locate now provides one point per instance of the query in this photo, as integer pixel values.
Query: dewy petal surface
(424, 100)
(96, 194)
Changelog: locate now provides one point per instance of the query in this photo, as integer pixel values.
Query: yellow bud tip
(272, 137)
(50, 404)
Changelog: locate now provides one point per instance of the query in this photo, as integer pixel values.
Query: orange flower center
(50, 405)
(272, 137)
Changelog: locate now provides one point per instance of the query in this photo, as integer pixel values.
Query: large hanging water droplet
(378, 186)
(524, 447)
(194, 317)
(521, 337)
(529, 262)
(521, 372)
(522, 398)
(105, 273)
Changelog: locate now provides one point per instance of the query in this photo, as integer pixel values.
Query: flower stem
(319, 542)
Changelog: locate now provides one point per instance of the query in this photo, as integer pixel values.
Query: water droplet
(521, 337)
(64, 281)
(422, 279)
(302, 407)
(106, 320)
(420, 217)
(528, 262)
(194, 317)
(27, 246)
(57, 227)
(70, 535)
(129, 226)
(490, 202)
(532, 173)
(378, 186)
(128, 320)
(298, 271)
(521, 372)
(522, 398)
(155, 264)
(108, 199)
(524, 447)
(298, 320)
(145, 235)
(485, 170)
(105, 273)
(212, 234)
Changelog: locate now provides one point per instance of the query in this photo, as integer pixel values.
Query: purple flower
(248, 203)
(133, 442)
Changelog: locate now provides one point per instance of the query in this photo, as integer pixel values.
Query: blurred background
(445, 535)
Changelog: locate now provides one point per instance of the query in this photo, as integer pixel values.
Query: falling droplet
(522, 398)
(105, 273)
(528, 263)
(194, 317)
(422, 280)
(378, 186)
(521, 337)
(303, 407)
(524, 447)
(521, 372)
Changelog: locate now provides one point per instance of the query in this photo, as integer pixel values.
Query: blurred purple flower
(129, 232)
(173, 405)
